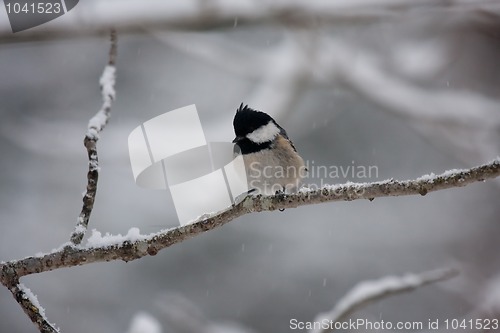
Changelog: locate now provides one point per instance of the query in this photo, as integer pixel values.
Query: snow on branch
(9, 277)
(31, 306)
(96, 125)
(368, 292)
(134, 245)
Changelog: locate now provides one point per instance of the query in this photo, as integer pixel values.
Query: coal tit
(271, 161)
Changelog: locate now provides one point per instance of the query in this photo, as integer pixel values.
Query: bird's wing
(283, 133)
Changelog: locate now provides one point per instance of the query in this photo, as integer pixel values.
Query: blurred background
(411, 89)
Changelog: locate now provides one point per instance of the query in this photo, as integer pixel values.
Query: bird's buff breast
(276, 169)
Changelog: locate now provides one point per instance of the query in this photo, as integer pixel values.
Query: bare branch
(96, 125)
(368, 292)
(134, 246)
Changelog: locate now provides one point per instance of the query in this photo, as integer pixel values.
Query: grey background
(262, 269)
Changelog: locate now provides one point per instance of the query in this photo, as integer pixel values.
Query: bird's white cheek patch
(265, 133)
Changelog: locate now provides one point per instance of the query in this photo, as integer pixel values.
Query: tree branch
(27, 300)
(96, 125)
(9, 277)
(134, 246)
(32, 308)
(368, 292)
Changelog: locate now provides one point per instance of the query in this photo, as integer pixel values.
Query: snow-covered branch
(134, 245)
(30, 305)
(130, 16)
(96, 125)
(368, 292)
(10, 278)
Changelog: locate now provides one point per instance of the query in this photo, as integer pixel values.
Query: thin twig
(96, 125)
(368, 292)
(135, 246)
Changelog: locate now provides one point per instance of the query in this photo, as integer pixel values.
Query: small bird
(271, 161)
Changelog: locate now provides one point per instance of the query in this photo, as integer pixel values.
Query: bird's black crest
(242, 108)
(247, 120)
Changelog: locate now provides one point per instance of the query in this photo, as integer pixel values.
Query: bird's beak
(238, 139)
